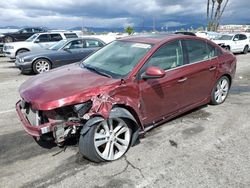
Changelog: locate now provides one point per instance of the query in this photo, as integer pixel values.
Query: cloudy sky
(115, 13)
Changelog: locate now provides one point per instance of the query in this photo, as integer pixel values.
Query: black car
(21, 34)
(62, 53)
(185, 33)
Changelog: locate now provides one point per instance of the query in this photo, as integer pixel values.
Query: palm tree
(213, 18)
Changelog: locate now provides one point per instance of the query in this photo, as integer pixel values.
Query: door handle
(212, 68)
(182, 80)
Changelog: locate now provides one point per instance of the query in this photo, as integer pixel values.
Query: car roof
(82, 37)
(56, 32)
(154, 38)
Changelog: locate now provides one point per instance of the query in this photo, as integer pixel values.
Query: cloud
(113, 13)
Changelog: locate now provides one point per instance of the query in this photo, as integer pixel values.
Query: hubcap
(221, 91)
(112, 138)
(42, 66)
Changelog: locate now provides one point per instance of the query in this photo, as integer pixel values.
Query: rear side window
(55, 37)
(167, 57)
(200, 51)
(242, 37)
(43, 38)
(92, 43)
(70, 35)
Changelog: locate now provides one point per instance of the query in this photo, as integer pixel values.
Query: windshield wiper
(98, 71)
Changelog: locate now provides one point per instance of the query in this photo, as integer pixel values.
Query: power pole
(153, 23)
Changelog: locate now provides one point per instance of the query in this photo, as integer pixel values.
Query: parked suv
(21, 34)
(233, 42)
(35, 42)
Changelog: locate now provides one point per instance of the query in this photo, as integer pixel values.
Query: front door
(161, 97)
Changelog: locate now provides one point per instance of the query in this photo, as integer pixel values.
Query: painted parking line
(7, 111)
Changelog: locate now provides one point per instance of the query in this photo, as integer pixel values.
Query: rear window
(70, 35)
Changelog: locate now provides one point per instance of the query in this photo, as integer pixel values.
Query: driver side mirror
(153, 73)
(236, 39)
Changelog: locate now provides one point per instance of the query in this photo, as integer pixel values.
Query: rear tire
(245, 51)
(41, 65)
(108, 140)
(220, 91)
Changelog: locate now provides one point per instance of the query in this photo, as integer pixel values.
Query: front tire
(41, 65)
(220, 91)
(108, 140)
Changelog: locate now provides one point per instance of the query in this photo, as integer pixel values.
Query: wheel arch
(41, 57)
(229, 77)
(21, 49)
(119, 111)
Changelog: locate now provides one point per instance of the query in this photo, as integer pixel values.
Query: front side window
(198, 51)
(167, 57)
(117, 59)
(75, 44)
(55, 37)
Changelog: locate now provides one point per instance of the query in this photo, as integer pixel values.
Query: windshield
(117, 59)
(224, 37)
(58, 45)
(33, 37)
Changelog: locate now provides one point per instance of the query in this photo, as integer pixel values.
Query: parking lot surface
(207, 147)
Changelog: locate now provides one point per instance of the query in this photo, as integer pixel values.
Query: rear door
(53, 38)
(200, 71)
(243, 41)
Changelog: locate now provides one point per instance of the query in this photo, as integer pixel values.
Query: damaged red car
(123, 90)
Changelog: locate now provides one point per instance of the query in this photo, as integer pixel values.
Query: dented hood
(64, 86)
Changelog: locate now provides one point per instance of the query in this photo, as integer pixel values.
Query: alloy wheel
(42, 66)
(221, 91)
(112, 139)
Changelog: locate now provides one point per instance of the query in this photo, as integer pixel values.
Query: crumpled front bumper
(33, 130)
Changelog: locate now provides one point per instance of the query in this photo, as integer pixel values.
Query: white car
(233, 42)
(35, 42)
(207, 34)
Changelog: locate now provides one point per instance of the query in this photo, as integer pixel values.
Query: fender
(115, 113)
(90, 123)
(124, 113)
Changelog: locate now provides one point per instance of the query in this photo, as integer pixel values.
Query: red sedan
(123, 90)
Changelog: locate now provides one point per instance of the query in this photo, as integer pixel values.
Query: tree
(129, 30)
(213, 18)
